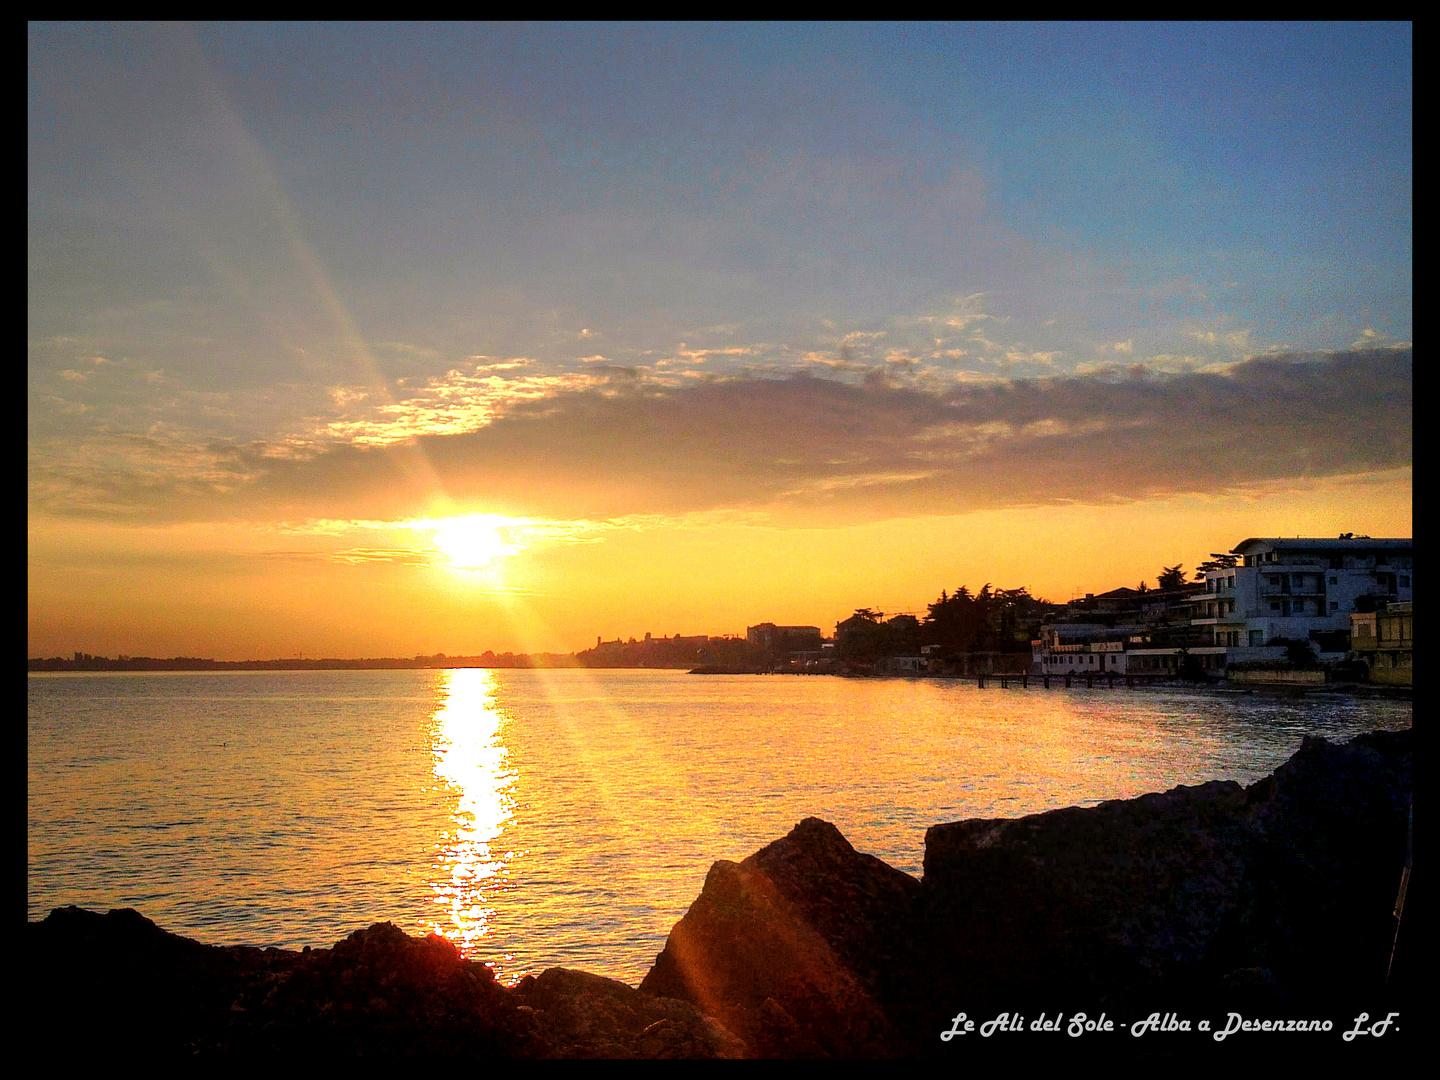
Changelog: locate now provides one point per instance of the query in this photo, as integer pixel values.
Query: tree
(1171, 577)
(860, 638)
(1298, 651)
(1142, 587)
(1003, 620)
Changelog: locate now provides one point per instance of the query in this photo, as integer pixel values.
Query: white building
(1301, 588)
(1134, 655)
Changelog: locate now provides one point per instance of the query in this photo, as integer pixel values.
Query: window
(1334, 605)
(1274, 579)
(1334, 581)
(1257, 637)
(1274, 605)
(1404, 581)
(1297, 580)
(1230, 582)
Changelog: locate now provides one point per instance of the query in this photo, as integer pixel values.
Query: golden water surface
(562, 817)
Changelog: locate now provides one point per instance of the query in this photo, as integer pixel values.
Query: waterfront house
(1385, 640)
(784, 639)
(1268, 599)
(1121, 632)
(1281, 590)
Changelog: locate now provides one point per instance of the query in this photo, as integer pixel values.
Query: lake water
(563, 817)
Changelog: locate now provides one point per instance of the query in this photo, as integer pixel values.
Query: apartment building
(1265, 590)
(1300, 588)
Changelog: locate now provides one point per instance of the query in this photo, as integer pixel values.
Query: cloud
(1019, 356)
(1236, 340)
(823, 450)
(353, 556)
(1373, 339)
(463, 399)
(699, 356)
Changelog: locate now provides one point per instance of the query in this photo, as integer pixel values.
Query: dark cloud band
(811, 449)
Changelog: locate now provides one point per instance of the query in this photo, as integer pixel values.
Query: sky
(387, 340)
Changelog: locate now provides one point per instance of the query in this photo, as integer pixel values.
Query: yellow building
(1385, 640)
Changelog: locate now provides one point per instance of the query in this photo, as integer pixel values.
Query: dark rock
(1217, 894)
(789, 948)
(117, 987)
(1326, 844)
(1275, 896)
(581, 1015)
(1096, 899)
(1185, 895)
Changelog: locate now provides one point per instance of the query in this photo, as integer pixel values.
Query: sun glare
(474, 543)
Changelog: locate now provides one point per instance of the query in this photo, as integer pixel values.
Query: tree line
(990, 620)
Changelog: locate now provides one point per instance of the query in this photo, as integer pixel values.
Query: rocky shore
(1271, 900)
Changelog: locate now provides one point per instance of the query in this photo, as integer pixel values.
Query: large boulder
(379, 994)
(116, 987)
(1327, 842)
(580, 1015)
(1091, 899)
(1276, 894)
(1281, 891)
(792, 948)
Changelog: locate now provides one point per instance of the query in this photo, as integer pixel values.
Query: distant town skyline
(389, 339)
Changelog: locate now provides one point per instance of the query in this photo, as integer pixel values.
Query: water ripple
(561, 817)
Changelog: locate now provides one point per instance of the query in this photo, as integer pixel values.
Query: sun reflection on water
(472, 865)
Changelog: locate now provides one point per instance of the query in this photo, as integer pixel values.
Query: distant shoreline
(186, 663)
(554, 661)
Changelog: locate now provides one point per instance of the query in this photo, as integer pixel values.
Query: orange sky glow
(358, 341)
(233, 592)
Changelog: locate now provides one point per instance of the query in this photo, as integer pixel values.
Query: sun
(473, 543)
